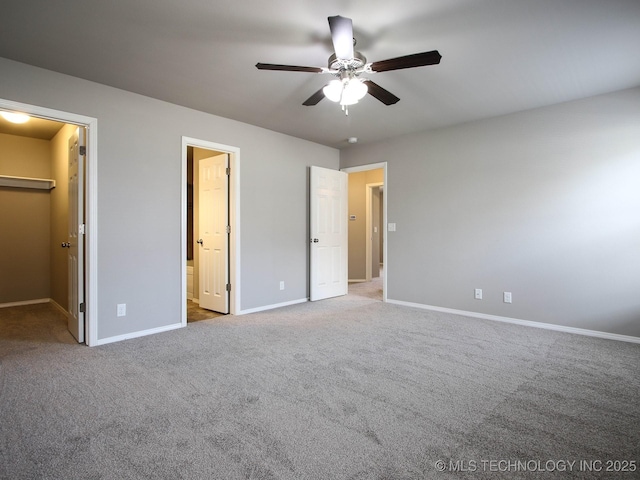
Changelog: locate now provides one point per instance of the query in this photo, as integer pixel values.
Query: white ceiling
(498, 56)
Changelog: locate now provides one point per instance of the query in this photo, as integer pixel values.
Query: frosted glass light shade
(353, 91)
(347, 92)
(333, 91)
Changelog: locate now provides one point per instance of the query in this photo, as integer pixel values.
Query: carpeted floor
(346, 388)
(372, 289)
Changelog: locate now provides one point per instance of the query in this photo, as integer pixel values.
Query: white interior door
(75, 241)
(329, 236)
(213, 221)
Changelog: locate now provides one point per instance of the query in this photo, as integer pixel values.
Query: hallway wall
(357, 228)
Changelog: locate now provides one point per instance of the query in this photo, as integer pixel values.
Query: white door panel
(75, 241)
(213, 218)
(329, 239)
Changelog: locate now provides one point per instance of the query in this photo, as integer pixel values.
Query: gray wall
(139, 186)
(544, 204)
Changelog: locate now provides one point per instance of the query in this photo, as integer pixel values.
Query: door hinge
(228, 228)
(81, 229)
(82, 307)
(228, 287)
(82, 150)
(228, 170)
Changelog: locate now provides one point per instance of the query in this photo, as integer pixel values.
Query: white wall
(544, 204)
(139, 186)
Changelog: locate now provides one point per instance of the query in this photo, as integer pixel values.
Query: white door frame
(364, 168)
(234, 221)
(91, 199)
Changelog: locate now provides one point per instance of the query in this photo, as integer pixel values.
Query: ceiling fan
(347, 65)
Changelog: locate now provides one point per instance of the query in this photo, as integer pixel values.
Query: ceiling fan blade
(408, 61)
(314, 99)
(342, 36)
(385, 96)
(288, 68)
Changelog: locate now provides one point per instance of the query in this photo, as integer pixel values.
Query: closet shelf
(26, 182)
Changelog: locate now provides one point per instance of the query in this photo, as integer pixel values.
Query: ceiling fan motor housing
(338, 65)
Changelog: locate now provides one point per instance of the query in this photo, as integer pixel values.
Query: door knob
(315, 240)
(65, 245)
(200, 241)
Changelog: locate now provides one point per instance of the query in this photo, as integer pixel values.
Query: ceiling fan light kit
(347, 65)
(346, 92)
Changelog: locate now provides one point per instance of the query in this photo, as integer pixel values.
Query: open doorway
(210, 187)
(65, 245)
(367, 230)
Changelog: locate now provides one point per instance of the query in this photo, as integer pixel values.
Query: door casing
(234, 221)
(385, 261)
(91, 201)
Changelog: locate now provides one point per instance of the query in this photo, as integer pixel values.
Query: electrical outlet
(478, 294)
(507, 297)
(282, 285)
(122, 309)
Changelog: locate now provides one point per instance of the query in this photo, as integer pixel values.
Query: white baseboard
(143, 333)
(58, 306)
(517, 321)
(357, 280)
(271, 307)
(25, 302)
